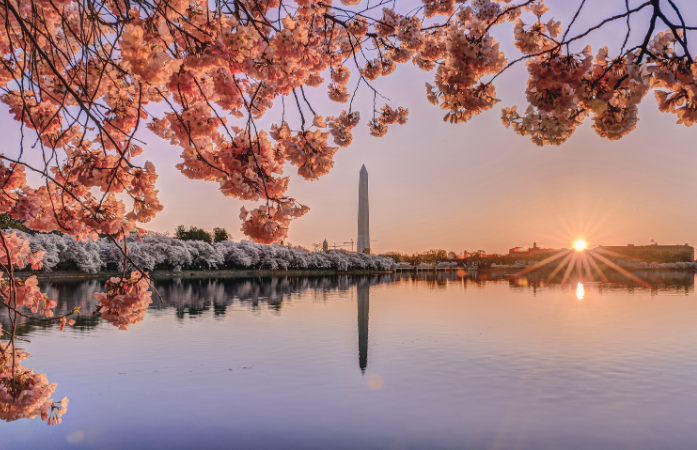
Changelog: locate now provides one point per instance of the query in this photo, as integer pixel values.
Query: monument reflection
(363, 294)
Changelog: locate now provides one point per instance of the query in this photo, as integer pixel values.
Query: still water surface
(383, 362)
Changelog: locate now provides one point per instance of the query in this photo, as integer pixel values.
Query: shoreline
(267, 273)
(200, 274)
(513, 271)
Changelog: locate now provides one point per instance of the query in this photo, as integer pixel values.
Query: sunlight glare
(579, 291)
(580, 245)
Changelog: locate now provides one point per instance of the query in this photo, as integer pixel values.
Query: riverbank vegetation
(158, 251)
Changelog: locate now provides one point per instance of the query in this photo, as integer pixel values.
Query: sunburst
(583, 263)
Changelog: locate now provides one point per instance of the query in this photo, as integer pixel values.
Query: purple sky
(475, 185)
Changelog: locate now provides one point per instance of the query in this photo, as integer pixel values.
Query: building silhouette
(649, 253)
(527, 252)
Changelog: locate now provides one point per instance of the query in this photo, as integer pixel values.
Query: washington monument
(363, 212)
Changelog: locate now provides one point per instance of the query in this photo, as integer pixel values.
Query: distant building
(529, 252)
(648, 253)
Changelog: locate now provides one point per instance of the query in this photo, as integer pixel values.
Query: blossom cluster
(676, 75)
(125, 300)
(563, 88)
(269, 224)
(25, 293)
(19, 294)
(388, 116)
(23, 393)
(15, 251)
(308, 149)
(469, 54)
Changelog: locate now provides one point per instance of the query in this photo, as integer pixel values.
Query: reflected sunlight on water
(452, 360)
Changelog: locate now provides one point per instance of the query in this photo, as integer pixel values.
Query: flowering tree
(152, 252)
(24, 394)
(83, 77)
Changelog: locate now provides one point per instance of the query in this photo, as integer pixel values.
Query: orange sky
(476, 185)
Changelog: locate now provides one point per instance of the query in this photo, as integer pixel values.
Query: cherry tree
(85, 76)
(23, 393)
(151, 252)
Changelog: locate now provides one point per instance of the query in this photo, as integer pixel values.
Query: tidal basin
(446, 361)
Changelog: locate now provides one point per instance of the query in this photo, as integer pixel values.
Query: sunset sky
(472, 186)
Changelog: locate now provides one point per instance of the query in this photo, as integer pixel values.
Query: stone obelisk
(363, 212)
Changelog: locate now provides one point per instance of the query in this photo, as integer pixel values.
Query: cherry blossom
(155, 251)
(205, 79)
(125, 300)
(23, 393)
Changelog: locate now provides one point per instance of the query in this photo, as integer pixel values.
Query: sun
(580, 245)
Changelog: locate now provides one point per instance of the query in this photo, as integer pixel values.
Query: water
(385, 362)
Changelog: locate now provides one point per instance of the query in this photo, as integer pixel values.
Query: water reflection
(195, 297)
(453, 356)
(363, 292)
(657, 280)
(192, 297)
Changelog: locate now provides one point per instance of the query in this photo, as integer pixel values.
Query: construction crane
(351, 242)
(334, 246)
(346, 244)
